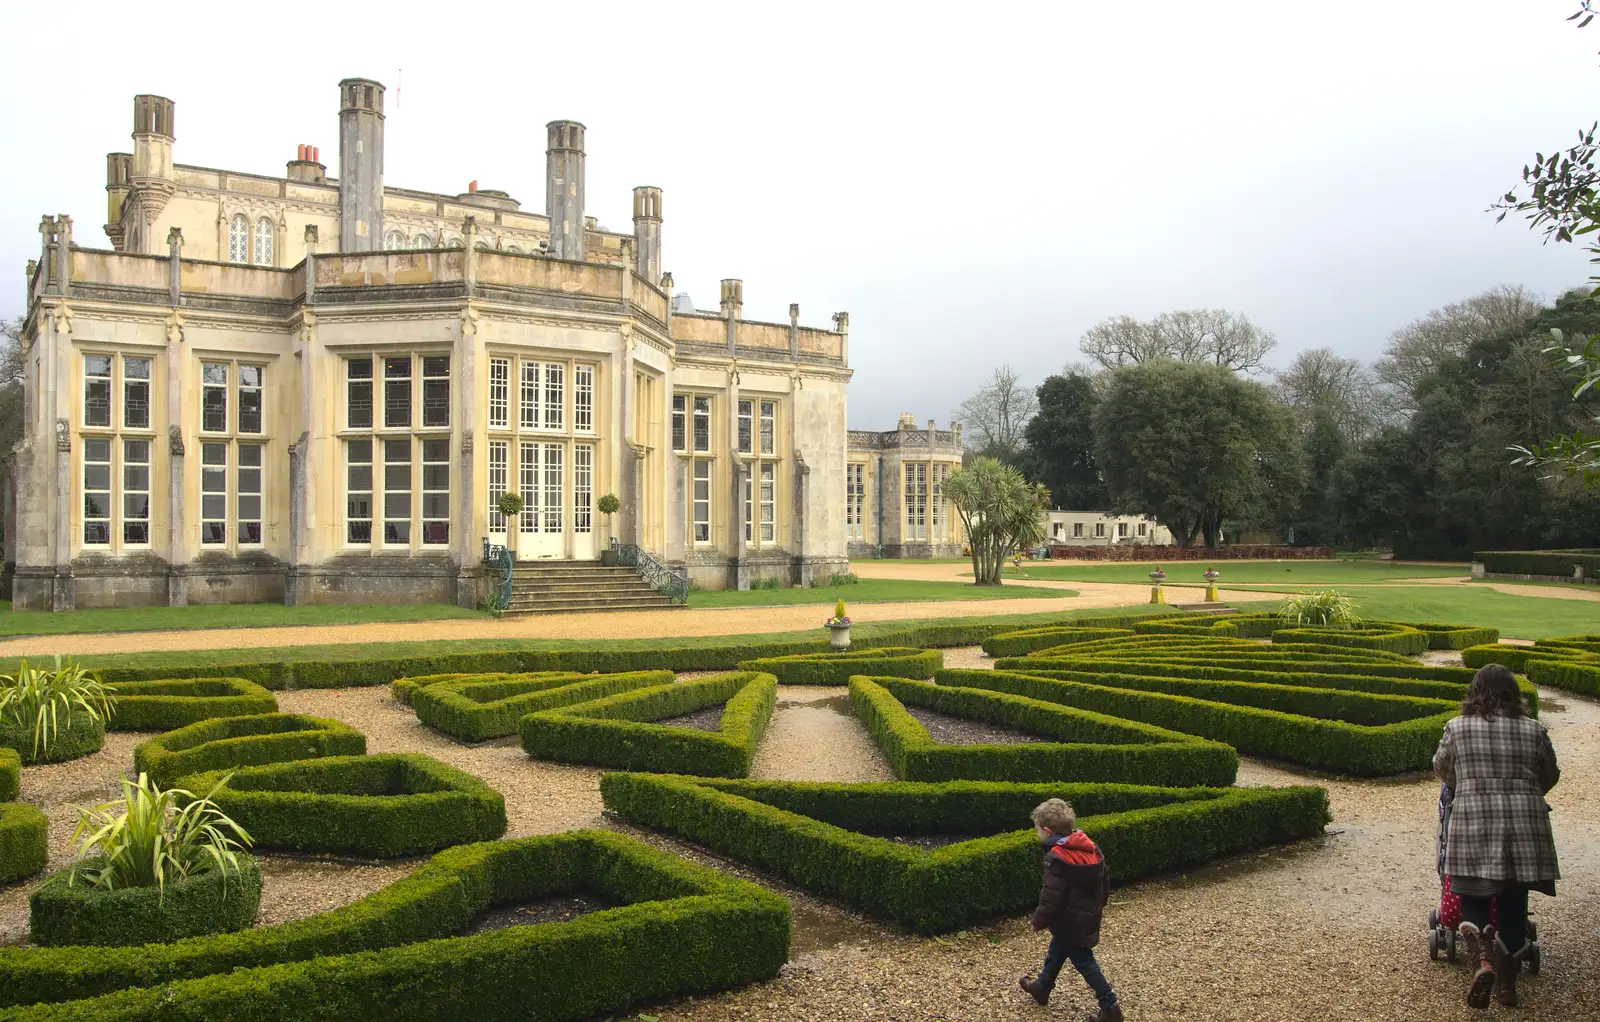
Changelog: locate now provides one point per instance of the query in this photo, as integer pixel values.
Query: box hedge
(401, 688)
(1333, 745)
(176, 702)
(1076, 745)
(680, 929)
(474, 709)
(1219, 626)
(1026, 640)
(226, 742)
(1557, 563)
(61, 912)
(75, 736)
(1585, 643)
(618, 731)
(837, 668)
(381, 806)
(1574, 677)
(617, 659)
(1517, 657)
(833, 839)
(1387, 637)
(1448, 636)
(24, 841)
(10, 774)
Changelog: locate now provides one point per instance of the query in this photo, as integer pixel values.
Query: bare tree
(996, 415)
(1418, 348)
(1320, 378)
(1217, 336)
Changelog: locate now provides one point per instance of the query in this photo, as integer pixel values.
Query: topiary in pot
(510, 505)
(608, 506)
(151, 871)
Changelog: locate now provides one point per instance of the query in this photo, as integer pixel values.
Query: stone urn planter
(838, 628)
(1157, 593)
(1211, 577)
(76, 913)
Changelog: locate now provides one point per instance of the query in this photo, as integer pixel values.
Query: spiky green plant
(1327, 609)
(42, 701)
(151, 837)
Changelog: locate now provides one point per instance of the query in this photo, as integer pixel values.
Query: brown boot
(1505, 975)
(1034, 990)
(1111, 1014)
(1480, 958)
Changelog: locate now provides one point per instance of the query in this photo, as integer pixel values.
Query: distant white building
(1096, 528)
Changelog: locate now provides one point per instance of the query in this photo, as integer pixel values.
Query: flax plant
(151, 837)
(1327, 609)
(42, 700)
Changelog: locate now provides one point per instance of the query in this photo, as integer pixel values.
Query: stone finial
(794, 312)
(175, 237)
(311, 234)
(666, 283)
(841, 322)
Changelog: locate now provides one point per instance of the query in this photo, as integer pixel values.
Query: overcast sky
(976, 184)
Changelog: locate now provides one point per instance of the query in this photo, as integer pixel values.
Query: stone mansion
(316, 389)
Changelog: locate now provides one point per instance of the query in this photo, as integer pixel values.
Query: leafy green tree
(1193, 444)
(1060, 443)
(1002, 513)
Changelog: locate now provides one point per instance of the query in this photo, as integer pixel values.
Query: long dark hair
(1493, 693)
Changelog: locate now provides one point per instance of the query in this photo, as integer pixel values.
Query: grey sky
(975, 184)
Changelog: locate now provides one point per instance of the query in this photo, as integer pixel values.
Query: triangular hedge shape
(1086, 746)
(477, 707)
(618, 731)
(819, 835)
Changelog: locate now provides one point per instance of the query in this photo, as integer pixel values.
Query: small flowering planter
(840, 635)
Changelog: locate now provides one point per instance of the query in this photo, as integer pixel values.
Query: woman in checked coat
(1500, 763)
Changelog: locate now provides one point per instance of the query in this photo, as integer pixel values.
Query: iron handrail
(499, 558)
(671, 584)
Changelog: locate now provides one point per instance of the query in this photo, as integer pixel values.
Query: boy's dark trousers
(1082, 959)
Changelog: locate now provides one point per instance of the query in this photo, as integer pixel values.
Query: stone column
(464, 421)
(804, 568)
(629, 454)
(794, 330)
(177, 524)
(740, 472)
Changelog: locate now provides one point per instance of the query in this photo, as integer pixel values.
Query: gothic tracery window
(263, 242)
(238, 239)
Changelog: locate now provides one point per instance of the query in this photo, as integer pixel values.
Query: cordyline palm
(41, 701)
(152, 836)
(1001, 511)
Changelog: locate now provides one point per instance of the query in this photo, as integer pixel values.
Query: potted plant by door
(510, 505)
(839, 628)
(608, 506)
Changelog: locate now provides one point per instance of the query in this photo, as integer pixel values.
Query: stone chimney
(360, 165)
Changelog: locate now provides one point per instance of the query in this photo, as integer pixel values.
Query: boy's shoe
(1111, 1014)
(1039, 994)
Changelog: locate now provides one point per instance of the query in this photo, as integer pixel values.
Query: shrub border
(837, 668)
(1573, 677)
(446, 707)
(10, 773)
(618, 731)
(145, 706)
(971, 881)
(219, 744)
(1371, 635)
(461, 809)
(376, 956)
(80, 736)
(24, 841)
(1163, 757)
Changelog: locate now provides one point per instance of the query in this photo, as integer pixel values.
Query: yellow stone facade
(316, 390)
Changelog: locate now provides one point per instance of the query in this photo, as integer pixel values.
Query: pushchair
(1444, 921)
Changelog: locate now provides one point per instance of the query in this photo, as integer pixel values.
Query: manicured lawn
(871, 590)
(1517, 617)
(374, 650)
(233, 615)
(1289, 573)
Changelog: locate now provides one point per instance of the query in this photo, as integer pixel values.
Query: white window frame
(433, 380)
(769, 502)
(408, 380)
(529, 392)
(916, 501)
(239, 239)
(130, 383)
(702, 423)
(855, 499)
(769, 427)
(261, 253)
(554, 504)
(555, 396)
(582, 489)
(528, 479)
(259, 389)
(210, 387)
(211, 471)
(442, 463)
(747, 423)
(367, 381)
(680, 422)
(92, 445)
(583, 374)
(129, 489)
(498, 479)
(700, 518)
(240, 494)
(107, 380)
(351, 521)
(404, 444)
(499, 393)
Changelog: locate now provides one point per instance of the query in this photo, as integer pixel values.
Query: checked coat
(1500, 768)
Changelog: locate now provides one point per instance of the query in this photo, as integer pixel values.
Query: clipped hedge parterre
(1076, 745)
(1517, 657)
(24, 841)
(680, 929)
(227, 742)
(382, 806)
(1388, 637)
(833, 839)
(837, 668)
(620, 730)
(61, 912)
(475, 708)
(1586, 643)
(170, 703)
(1025, 641)
(1574, 677)
(10, 774)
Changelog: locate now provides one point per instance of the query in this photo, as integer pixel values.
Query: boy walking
(1077, 886)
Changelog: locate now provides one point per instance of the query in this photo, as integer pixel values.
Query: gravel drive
(1326, 929)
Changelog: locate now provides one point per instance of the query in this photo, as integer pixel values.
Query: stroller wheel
(1433, 945)
(1533, 929)
(1433, 918)
(1450, 944)
(1533, 960)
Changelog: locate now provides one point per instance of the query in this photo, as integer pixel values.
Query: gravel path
(1327, 929)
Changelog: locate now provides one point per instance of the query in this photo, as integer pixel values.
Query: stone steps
(1205, 608)
(566, 587)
